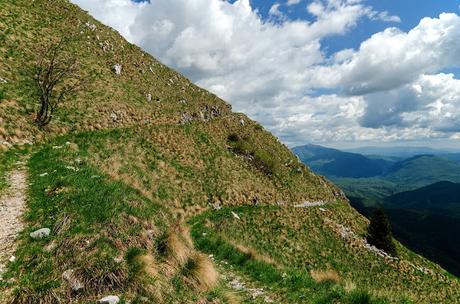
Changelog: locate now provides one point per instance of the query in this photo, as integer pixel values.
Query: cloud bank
(274, 69)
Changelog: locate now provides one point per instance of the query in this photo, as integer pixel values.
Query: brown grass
(328, 276)
(201, 273)
(149, 265)
(231, 298)
(254, 254)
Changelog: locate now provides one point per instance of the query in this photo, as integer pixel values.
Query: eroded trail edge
(12, 204)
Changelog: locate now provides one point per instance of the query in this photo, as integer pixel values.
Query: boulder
(109, 300)
(40, 233)
(117, 68)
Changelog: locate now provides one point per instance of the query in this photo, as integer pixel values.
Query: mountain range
(421, 194)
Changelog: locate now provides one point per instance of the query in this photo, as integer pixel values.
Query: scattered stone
(12, 259)
(3, 80)
(182, 101)
(322, 209)
(118, 260)
(57, 147)
(109, 300)
(242, 122)
(91, 26)
(309, 204)
(117, 68)
(185, 118)
(236, 216)
(149, 97)
(114, 117)
(43, 174)
(74, 283)
(40, 233)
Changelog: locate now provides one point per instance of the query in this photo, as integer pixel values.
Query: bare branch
(56, 77)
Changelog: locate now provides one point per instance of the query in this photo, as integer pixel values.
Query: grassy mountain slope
(121, 179)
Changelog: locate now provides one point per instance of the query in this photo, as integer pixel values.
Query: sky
(342, 73)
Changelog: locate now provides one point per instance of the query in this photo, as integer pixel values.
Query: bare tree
(56, 78)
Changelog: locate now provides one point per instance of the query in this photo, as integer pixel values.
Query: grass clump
(328, 276)
(260, 158)
(201, 272)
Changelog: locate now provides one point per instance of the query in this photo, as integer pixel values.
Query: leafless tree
(56, 78)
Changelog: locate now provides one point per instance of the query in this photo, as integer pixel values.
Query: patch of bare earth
(12, 204)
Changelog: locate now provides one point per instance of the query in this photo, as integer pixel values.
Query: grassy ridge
(292, 285)
(309, 240)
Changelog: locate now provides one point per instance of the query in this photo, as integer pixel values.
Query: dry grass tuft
(176, 248)
(201, 273)
(328, 276)
(149, 265)
(349, 286)
(231, 298)
(254, 254)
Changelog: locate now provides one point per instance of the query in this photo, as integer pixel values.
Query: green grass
(292, 285)
(304, 240)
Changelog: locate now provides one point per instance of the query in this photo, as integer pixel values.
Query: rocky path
(12, 204)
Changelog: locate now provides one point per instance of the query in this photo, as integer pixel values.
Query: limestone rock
(117, 68)
(40, 233)
(109, 300)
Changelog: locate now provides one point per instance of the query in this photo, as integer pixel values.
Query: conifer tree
(379, 232)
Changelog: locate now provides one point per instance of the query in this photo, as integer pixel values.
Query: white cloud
(292, 2)
(393, 58)
(270, 69)
(276, 13)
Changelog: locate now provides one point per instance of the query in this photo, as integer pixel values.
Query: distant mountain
(401, 152)
(333, 162)
(440, 198)
(425, 217)
(422, 170)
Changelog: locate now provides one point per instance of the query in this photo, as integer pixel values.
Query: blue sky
(338, 72)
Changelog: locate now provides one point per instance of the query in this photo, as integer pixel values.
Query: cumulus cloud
(292, 2)
(393, 58)
(272, 69)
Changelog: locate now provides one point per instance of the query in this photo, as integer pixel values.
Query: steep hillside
(332, 162)
(151, 190)
(442, 198)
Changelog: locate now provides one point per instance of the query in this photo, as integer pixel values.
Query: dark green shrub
(233, 137)
(359, 297)
(264, 161)
(379, 232)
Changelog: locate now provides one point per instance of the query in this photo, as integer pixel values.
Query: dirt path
(12, 204)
